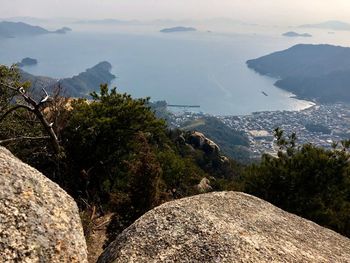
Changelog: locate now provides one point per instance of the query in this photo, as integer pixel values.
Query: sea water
(195, 68)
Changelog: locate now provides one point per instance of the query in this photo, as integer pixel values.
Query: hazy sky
(276, 11)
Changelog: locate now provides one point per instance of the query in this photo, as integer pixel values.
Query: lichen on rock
(225, 227)
(39, 222)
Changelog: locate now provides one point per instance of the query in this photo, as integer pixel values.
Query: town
(321, 125)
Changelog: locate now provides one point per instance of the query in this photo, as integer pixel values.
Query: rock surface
(39, 222)
(199, 140)
(204, 186)
(225, 227)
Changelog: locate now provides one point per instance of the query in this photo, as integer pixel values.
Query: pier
(183, 106)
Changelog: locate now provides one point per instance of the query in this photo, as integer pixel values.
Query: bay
(201, 68)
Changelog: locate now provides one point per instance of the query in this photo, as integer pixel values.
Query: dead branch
(35, 107)
(44, 99)
(23, 138)
(14, 109)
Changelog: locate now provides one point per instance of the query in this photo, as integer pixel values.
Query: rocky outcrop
(225, 227)
(204, 186)
(199, 140)
(39, 222)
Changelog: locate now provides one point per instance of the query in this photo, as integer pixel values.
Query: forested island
(27, 62)
(18, 29)
(315, 72)
(295, 34)
(80, 85)
(178, 29)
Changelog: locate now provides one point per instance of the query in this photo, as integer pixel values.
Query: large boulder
(225, 227)
(39, 222)
(199, 140)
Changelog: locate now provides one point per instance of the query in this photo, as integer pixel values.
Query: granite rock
(225, 227)
(39, 221)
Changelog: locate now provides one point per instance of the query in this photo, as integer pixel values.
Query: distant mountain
(108, 22)
(16, 29)
(38, 83)
(333, 25)
(178, 29)
(295, 34)
(317, 72)
(86, 82)
(77, 86)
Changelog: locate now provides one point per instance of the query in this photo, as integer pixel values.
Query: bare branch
(23, 138)
(10, 87)
(36, 110)
(43, 100)
(14, 109)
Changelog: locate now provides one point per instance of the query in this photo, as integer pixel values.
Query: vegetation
(233, 143)
(115, 156)
(24, 127)
(309, 181)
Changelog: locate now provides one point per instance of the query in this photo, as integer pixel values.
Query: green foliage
(180, 174)
(145, 174)
(20, 130)
(122, 159)
(111, 141)
(103, 129)
(310, 181)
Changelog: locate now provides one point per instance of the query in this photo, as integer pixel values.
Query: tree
(307, 180)
(145, 174)
(100, 137)
(14, 96)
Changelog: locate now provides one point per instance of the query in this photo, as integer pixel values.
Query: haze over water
(200, 68)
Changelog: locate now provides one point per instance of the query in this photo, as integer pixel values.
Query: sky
(268, 11)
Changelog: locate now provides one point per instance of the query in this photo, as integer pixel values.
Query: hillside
(316, 72)
(38, 82)
(88, 81)
(17, 29)
(76, 86)
(231, 142)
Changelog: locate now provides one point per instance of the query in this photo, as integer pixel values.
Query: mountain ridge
(77, 86)
(317, 72)
(18, 29)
